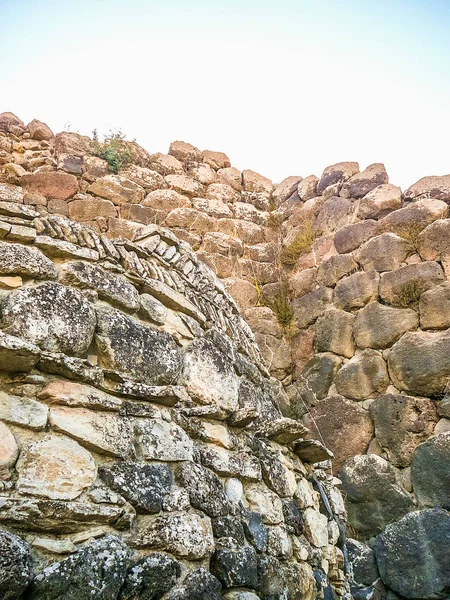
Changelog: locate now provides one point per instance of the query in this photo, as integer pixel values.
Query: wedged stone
(145, 353)
(434, 308)
(379, 326)
(144, 486)
(54, 467)
(168, 395)
(229, 527)
(23, 411)
(401, 423)
(52, 184)
(173, 299)
(362, 183)
(363, 376)
(17, 355)
(413, 554)
(265, 502)
(362, 559)
(152, 309)
(380, 201)
(310, 306)
(430, 471)
(430, 187)
(311, 451)
(16, 259)
(384, 252)
(345, 428)
(334, 333)
(106, 433)
(62, 249)
(59, 516)
(282, 430)
(335, 213)
(161, 440)
(205, 489)
(78, 369)
(352, 236)
(356, 290)
(110, 287)
(336, 174)
(209, 375)
(185, 535)
(334, 268)
(117, 189)
(9, 451)
(276, 475)
(235, 567)
(316, 527)
(96, 571)
(75, 394)
(52, 316)
(293, 516)
(230, 464)
(149, 578)
(374, 499)
(16, 567)
(419, 363)
(405, 285)
(197, 585)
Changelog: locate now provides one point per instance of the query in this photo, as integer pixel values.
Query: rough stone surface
(149, 578)
(334, 333)
(235, 567)
(379, 326)
(198, 585)
(205, 489)
(16, 259)
(430, 471)
(16, 569)
(356, 290)
(54, 184)
(363, 376)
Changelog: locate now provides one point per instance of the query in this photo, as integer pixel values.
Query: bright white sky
(284, 87)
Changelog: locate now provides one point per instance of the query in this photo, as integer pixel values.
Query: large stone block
(161, 440)
(380, 201)
(334, 333)
(51, 184)
(205, 489)
(117, 189)
(143, 352)
(352, 236)
(16, 568)
(149, 578)
(378, 326)
(16, 259)
(336, 174)
(430, 187)
(384, 252)
(364, 376)
(310, 306)
(362, 183)
(20, 410)
(405, 285)
(434, 308)
(430, 471)
(52, 316)
(356, 290)
(9, 451)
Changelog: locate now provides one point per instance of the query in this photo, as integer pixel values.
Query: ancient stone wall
(343, 280)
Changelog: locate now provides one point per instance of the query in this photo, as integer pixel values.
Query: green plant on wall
(301, 244)
(408, 294)
(281, 304)
(113, 149)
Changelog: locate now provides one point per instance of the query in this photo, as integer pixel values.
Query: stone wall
(361, 270)
(143, 451)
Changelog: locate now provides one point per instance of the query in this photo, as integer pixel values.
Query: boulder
(11, 193)
(39, 130)
(185, 185)
(378, 326)
(117, 189)
(405, 285)
(419, 363)
(216, 160)
(189, 218)
(336, 174)
(384, 252)
(162, 440)
(235, 567)
(352, 236)
(16, 570)
(335, 213)
(362, 183)
(410, 220)
(434, 308)
(143, 352)
(335, 268)
(51, 184)
(265, 502)
(68, 142)
(364, 376)
(52, 316)
(307, 188)
(380, 201)
(149, 578)
(356, 290)
(9, 451)
(16, 259)
(223, 192)
(16, 355)
(254, 182)
(430, 187)
(401, 423)
(345, 428)
(165, 164)
(434, 241)
(198, 585)
(334, 333)
(185, 152)
(205, 489)
(374, 499)
(8, 120)
(319, 372)
(88, 208)
(430, 471)
(285, 189)
(362, 559)
(311, 306)
(413, 554)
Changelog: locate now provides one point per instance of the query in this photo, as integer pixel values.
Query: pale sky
(284, 87)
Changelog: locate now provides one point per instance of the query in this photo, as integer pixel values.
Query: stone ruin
(154, 442)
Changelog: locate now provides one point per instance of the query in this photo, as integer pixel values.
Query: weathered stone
(254, 182)
(75, 394)
(9, 451)
(235, 567)
(384, 252)
(70, 164)
(228, 527)
(39, 130)
(286, 188)
(185, 535)
(62, 249)
(335, 214)
(96, 571)
(141, 351)
(419, 363)
(18, 259)
(282, 430)
(311, 451)
(190, 219)
(11, 193)
(165, 164)
(362, 183)
(363, 376)
(216, 160)
(185, 185)
(277, 476)
(379, 326)
(88, 208)
(222, 192)
(54, 467)
(23, 411)
(374, 499)
(318, 374)
(173, 299)
(150, 578)
(352, 236)
(54, 317)
(430, 187)
(68, 142)
(110, 287)
(255, 530)
(334, 268)
(9, 120)
(410, 220)
(205, 489)
(262, 500)
(336, 174)
(356, 290)
(435, 308)
(209, 377)
(405, 285)
(310, 306)
(433, 242)
(380, 201)
(152, 309)
(144, 486)
(214, 208)
(185, 152)
(106, 433)
(198, 585)
(53, 184)
(316, 527)
(293, 516)
(413, 554)
(16, 569)
(334, 333)
(230, 464)
(363, 563)
(16, 355)
(431, 471)
(117, 189)
(345, 428)
(161, 440)
(401, 423)
(249, 233)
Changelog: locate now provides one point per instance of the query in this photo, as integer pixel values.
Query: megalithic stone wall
(343, 280)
